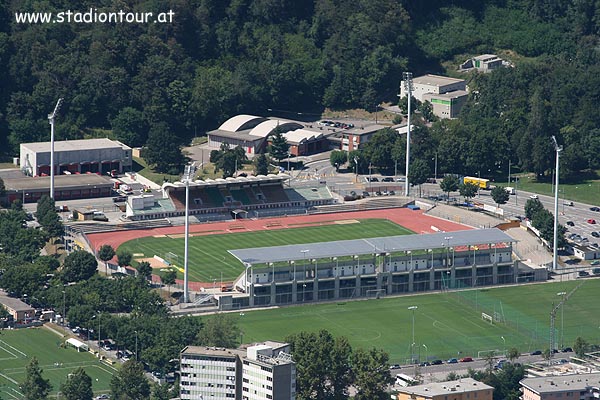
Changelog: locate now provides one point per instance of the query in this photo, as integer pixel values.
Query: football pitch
(208, 256)
(446, 324)
(17, 347)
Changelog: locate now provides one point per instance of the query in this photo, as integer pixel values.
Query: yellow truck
(479, 182)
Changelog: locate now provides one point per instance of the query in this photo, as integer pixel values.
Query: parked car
(583, 274)
(119, 199)
(591, 221)
(425, 364)
(595, 262)
(437, 362)
(567, 350)
(595, 209)
(533, 196)
(452, 361)
(366, 194)
(595, 234)
(392, 193)
(466, 359)
(395, 366)
(387, 179)
(570, 223)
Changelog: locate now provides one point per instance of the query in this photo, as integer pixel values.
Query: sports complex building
(373, 268)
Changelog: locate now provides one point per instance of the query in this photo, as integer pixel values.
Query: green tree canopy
(219, 330)
(279, 147)
(468, 190)
(418, 174)
(532, 207)
(144, 269)
(79, 266)
(450, 183)
(35, 387)
(130, 383)
(78, 386)
(261, 165)
(500, 195)
(372, 374)
(337, 158)
(124, 257)
(106, 253)
(163, 149)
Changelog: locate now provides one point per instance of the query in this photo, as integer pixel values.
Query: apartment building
(573, 386)
(462, 389)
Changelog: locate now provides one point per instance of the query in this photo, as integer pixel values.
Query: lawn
(586, 191)
(18, 346)
(208, 256)
(446, 325)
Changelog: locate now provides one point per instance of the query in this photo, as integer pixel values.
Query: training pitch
(446, 324)
(209, 257)
(17, 347)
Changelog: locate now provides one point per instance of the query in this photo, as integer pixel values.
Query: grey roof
(435, 80)
(241, 135)
(260, 255)
(15, 304)
(74, 145)
(449, 95)
(61, 181)
(562, 383)
(212, 351)
(446, 388)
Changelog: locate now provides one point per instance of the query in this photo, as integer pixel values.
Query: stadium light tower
(412, 345)
(558, 150)
(408, 87)
(51, 118)
(188, 175)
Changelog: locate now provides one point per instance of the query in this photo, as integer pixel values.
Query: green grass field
(209, 257)
(445, 325)
(18, 346)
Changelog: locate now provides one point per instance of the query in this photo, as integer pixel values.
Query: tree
(500, 195)
(371, 374)
(419, 171)
(512, 354)
(468, 190)
(580, 347)
(124, 257)
(279, 146)
(337, 158)
(129, 383)
(163, 149)
(78, 386)
(144, 269)
(106, 253)
(532, 206)
(35, 387)
(79, 266)
(130, 127)
(2, 188)
(261, 165)
(450, 183)
(547, 355)
(168, 278)
(220, 331)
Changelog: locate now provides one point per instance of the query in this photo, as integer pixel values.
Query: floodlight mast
(558, 150)
(51, 118)
(408, 86)
(188, 175)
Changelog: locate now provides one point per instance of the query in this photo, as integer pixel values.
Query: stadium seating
(274, 194)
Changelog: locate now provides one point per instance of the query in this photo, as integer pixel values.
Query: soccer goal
(375, 293)
(171, 258)
(487, 318)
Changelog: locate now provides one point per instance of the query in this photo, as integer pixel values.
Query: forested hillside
(222, 57)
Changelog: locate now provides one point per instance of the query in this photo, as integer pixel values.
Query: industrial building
(96, 156)
(462, 389)
(262, 371)
(447, 95)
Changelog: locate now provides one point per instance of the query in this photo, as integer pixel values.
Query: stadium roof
(221, 181)
(240, 122)
(261, 255)
(264, 128)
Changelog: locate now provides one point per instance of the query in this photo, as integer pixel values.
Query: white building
(97, 156)
(447, 95)
(265, 371)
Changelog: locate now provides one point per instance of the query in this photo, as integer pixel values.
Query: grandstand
(216, 199)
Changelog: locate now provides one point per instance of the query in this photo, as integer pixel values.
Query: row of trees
(543, 221)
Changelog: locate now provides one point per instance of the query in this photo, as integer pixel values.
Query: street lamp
(304, 255)
(408, 86)
(504, 341)
(413, 308)
(435, 167)
(51, 118)
(136, 345)
(555, 252)
(426, 351)
(562, 319)
(188, 176)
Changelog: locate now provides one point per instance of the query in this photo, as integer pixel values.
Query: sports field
(446, 324)
(208, 256)
(18, 346)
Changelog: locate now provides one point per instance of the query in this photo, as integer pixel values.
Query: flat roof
(448, 95)
(295, 252)
(213, 351)
(463, 385)
(15, 304)
(75, 145)
(436, 80)
(364, 130)
(243, 135)
(561, 383)
(239, 180)
(60, 181)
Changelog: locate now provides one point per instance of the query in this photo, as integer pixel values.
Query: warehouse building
(96, 156)
(447, 95)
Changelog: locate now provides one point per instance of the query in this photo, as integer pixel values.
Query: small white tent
(79, 345)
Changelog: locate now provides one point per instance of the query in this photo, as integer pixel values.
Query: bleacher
(273, 194)
(215, 196)
(241, 196)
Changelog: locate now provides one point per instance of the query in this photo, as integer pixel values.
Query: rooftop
(574, 382)
(15, 304)
(448, 95)
(74, 145)
(436, 80)
(359, 247)
(61, 181)
(443, 388)
(213, 351)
